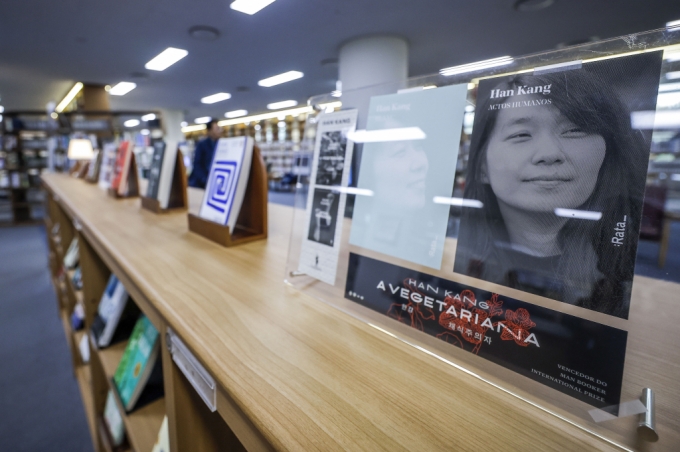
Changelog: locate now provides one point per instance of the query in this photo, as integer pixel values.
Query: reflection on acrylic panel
(410, 156)
(559, 174)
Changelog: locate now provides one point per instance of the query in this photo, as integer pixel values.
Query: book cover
(575, 356)
(119, 181)
(107, 166)
(408, 159)
(227, 181)
(163, 441)
(115, 312)
(72, 254)
(137, 362)
(325, 210)
(84, 349)
(77, 278)
(114, 420)
(93, 167)
(155, 169)
(167, 173)
(555, 181)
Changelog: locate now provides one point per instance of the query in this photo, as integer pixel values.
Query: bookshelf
(23, 157)
(291, 372)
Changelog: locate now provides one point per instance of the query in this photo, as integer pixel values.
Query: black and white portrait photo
(324, 216)
(331, 158)
(556, 178)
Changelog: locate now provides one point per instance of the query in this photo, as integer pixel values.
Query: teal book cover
(135, 365)
(409, 158)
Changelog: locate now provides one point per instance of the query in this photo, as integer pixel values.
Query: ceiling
(45, 45)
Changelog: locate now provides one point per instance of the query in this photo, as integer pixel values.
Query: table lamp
(80, 150)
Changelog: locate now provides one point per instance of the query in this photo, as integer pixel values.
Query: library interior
(267, 225)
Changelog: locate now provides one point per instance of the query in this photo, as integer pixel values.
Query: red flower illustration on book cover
(517, 325)
(411, 313)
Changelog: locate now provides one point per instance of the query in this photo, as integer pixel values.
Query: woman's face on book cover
(537, 160)
(400, 174)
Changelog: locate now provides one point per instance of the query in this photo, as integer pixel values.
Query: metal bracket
(647, 422)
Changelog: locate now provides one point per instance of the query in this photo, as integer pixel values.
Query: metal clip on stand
(647, 423)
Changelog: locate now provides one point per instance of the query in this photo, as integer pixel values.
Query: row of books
(138, 379)
(225, 188)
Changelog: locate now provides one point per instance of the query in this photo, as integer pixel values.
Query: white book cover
(84, 348)
(163, 441)
(72, 254)
(227, 181)
(327, 195)
(114, 421)
(110, 309)
(108, 160)
(167, 171)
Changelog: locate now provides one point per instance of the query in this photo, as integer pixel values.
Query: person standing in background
(203, 155)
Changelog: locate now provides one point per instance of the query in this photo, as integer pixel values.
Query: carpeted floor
(40, 404)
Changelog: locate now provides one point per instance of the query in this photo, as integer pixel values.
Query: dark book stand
(178, 191)
(251, 224)
(132, 183)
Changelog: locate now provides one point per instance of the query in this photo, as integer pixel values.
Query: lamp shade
(80, 149)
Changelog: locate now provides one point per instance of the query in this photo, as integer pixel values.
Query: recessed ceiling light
(183, 124)
(2, 109)
(281, 78)
(532, 5)
(204, 33)
(479, 65)
(213, 98)
(131, 123)
(145, 131)
(282, 104)
(165, 59)
(236, 113)
(149, 117)
(122, 88)
(53, 115)
(202, 120)
(250, 6)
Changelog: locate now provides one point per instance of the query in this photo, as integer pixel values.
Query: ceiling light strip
(280, 78)
(214, 98)
(250, 6)
(69, 97)
(165, 59)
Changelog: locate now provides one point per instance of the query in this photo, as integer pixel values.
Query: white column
(172, 124)
(369, 61)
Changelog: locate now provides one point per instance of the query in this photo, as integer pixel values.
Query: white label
(199, 378)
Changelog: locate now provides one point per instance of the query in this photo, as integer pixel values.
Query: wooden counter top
(303, 374)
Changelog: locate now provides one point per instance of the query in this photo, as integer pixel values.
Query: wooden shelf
(141, 425)
(293, 373)
(84, 378)
(110, 357)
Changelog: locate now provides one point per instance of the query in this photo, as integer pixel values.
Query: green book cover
(137, 362)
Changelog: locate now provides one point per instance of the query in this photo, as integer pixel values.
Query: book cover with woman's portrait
(559, 175)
